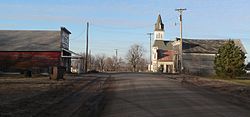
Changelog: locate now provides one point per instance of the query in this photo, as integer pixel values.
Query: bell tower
(159, 29)
(158, 36)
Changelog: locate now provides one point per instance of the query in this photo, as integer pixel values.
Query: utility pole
(150, 49)
(90, 64)
(116, 59)
(87, 49)
(116, 54)
(180, 10)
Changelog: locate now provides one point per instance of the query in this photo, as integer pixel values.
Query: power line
(117, 31)
(121, 28)
(80, 34)
(104, 28)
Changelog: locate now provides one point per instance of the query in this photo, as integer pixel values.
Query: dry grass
(242, 81)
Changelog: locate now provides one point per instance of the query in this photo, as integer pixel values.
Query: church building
(163, 54)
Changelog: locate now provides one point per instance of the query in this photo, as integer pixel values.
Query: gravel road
(151, 95)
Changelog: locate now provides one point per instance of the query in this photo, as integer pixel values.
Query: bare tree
(120, 64)
(110, 63)
(91, 62)
(142, 65)
(134, 56)
(100, 62)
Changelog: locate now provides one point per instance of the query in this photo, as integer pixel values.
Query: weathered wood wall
(199, 64)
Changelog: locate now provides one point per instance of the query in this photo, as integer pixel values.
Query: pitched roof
(164, 45)
(29, 40)
(248, 66)
(159, 26)
(207, 45)
(166, 55)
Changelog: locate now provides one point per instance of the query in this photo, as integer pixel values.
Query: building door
(161, 69)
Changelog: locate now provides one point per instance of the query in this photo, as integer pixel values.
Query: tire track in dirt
(32, 105)
(75, 103)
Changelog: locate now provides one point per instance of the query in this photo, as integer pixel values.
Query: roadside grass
(242, 81)
(239, 80)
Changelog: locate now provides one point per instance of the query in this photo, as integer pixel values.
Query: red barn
(35, 50)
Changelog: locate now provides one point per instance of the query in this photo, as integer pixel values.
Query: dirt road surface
(41, 97)
(148, 95)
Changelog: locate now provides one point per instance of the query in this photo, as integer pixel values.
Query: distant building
(197, 54)
(35, 50)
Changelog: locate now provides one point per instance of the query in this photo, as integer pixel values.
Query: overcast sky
(117, 24)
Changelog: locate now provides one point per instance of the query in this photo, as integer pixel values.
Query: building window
(158, 35)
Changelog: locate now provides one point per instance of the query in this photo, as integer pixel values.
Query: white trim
(198, 54)
(71, 52)
(73, 57)
(166, 63)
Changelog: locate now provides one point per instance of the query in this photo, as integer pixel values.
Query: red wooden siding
(24, 60)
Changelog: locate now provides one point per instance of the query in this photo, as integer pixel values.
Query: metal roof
(207, 46)
(30, 40)
(210, 46)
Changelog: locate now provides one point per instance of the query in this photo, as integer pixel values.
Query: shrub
(229, 62)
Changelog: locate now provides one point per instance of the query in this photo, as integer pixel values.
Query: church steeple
(159, 26)
(159, 29)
